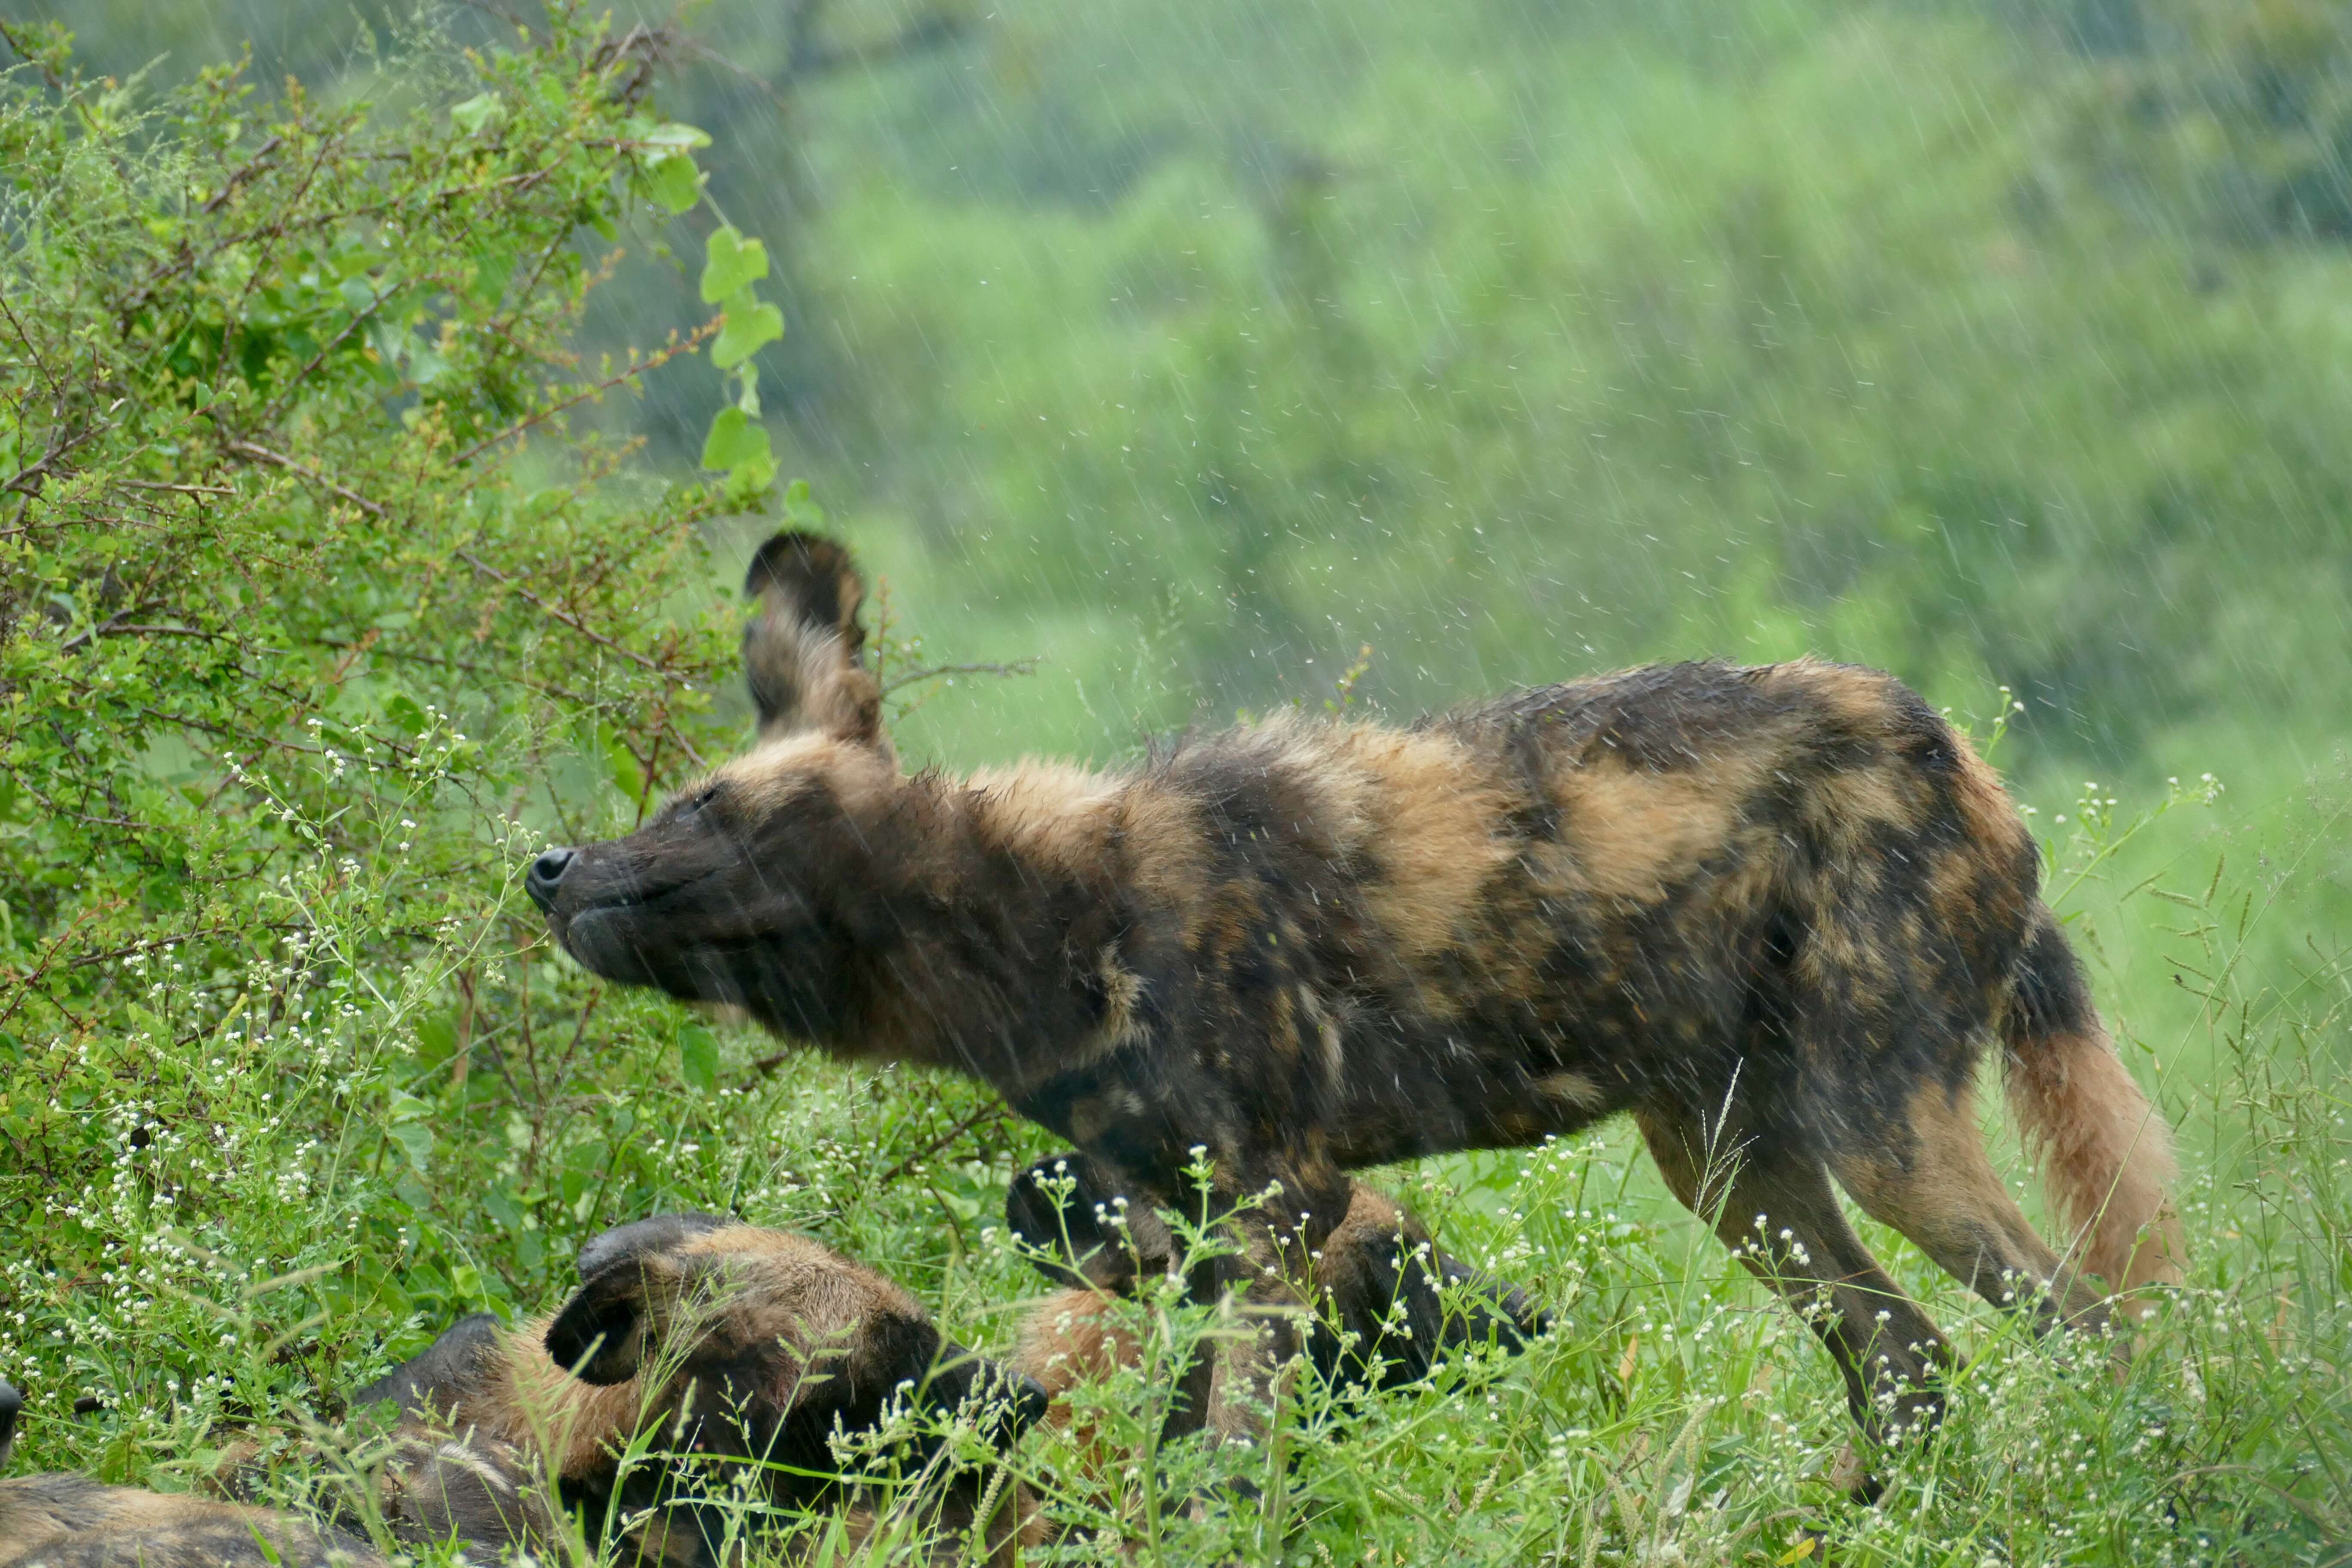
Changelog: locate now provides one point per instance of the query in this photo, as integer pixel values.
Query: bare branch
(1010, 667)
(279, 460)
(692, 342)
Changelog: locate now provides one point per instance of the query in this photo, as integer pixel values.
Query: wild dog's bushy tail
(2105, 1153)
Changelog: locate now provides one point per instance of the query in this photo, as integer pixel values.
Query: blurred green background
(1194, 348)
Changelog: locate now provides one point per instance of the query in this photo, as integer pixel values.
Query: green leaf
(436, 1039)
(734, 440)
(415, 1139)
(750, 325)
(499, 1205)
(405, 712)
(475, 113)
(675, 135)
(697, 1057)
(671, 182)
(731, 263)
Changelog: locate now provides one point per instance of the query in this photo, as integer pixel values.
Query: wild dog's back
(1511, 920)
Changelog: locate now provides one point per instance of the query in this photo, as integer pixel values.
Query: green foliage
(318, 613)
(1527, 350)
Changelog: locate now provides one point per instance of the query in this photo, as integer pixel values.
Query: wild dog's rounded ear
(1064, 1204)
(658, 1233)
(441, 1377)
(804, 651)
(608, 1328)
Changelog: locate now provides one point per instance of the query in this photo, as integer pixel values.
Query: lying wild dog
(423, 1487)
(1373, 1311)
(746, 1350)
(71, 1522)
(1775, 914)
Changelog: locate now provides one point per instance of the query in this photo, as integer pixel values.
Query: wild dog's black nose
(545, 872)
(11, 1402)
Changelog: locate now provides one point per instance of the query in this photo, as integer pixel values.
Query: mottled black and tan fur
(729, 1349)
(1381, 1304)
(71, 1522)
(1775, 914)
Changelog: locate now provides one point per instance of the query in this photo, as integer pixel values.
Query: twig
(907, 1165)
(112, 629)
(1012, 667)
(252, 167)
(279, 460)
(38, 471)
(693, 341)
(566, 617)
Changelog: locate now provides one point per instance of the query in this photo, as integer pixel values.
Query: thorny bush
(316, 608)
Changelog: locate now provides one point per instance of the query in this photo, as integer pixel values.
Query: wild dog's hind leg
(1940, 1190)
(1771, 1202)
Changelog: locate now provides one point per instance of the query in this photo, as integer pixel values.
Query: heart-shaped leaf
(730, 264)
(734, 439)
(750, 325)
(671, 183)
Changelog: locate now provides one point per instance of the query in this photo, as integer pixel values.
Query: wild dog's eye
(704, 797)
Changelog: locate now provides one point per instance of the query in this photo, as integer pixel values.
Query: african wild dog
(1773, 913)
(743, 1348)
(71, 1522)
(1371, 1310)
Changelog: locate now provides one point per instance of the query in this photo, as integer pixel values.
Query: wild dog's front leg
(1283, 1207)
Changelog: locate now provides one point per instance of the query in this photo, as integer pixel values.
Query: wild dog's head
(756, 1346)
(1389, 1300)
(753, 886)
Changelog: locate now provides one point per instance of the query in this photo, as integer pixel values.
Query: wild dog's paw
(1069, 1207)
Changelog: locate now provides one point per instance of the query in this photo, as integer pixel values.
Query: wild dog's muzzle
(546, 875)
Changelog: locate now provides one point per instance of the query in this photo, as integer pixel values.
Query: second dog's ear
(608, 1329)
(657, 1234)
(804, 652)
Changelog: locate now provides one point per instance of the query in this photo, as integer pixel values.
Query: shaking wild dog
(1775, 914)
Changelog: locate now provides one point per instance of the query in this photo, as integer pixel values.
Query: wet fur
(1776, 913)
(725, 1341)
(71, 1522)
(1382, 1304)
